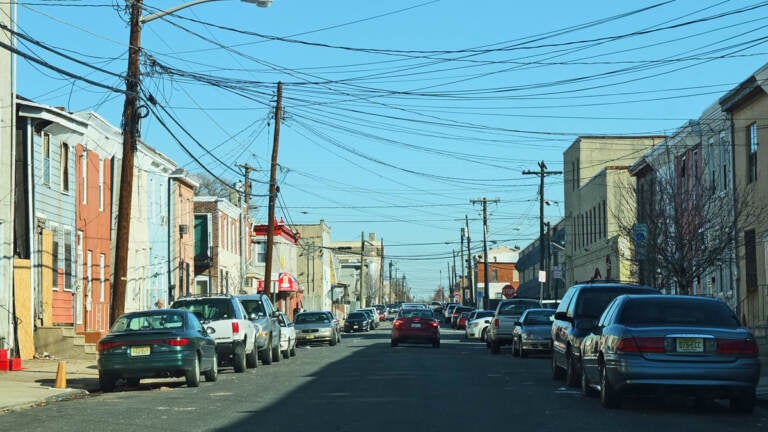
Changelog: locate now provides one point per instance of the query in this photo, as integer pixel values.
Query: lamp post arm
(151, 17)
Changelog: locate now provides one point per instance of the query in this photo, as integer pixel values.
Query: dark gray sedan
(662, 344)
(533, 332)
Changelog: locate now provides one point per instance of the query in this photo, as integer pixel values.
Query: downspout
(170, 291)
(735, 234)
(32, 226)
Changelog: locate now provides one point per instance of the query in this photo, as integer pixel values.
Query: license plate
(357, 326)
(140, 351)
(416, 325)
(690, 345)
(310, 336)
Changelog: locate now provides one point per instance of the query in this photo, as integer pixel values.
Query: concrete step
(62, 342)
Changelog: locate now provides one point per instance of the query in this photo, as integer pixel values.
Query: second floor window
(752, 158)
(64, 167)
(261, 252)
(46, 159)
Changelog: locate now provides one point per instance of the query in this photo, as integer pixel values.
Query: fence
(753, 309)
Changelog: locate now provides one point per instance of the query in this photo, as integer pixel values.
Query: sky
(398, 114)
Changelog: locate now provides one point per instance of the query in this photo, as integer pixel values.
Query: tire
(252, 358)
(495, 347)
(193, 375)
(266, 356)
(393, 343)
(609, 398)
(293, 349)
(333, 340)
(285, 354)
(557, 372)
(107, 382)
(238, 359)
(212, 374)
(484, 336)
(436, 344)
(744, 403)
(586, 390)
(276, 354)
(523, 353)
(514, 349)
(571, 374)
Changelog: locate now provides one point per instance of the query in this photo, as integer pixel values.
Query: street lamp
(131, 132)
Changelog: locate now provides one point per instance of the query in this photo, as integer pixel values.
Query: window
(494, 275)
(89, 278)
(84, 176)
(752, 158)
(261, 252)
(68, 259)
(750, 259)
(46, 159)
(101, 184)
(55, 258)
(64, 167)
(102, 269)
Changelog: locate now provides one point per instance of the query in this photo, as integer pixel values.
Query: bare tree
(212, 186)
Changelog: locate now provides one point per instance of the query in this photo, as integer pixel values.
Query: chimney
(372, 237)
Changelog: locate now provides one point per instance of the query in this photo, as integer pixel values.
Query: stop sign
(508, 291)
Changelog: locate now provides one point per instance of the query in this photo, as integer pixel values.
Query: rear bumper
(156, 364)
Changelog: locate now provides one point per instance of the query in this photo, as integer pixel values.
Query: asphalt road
(364, 385)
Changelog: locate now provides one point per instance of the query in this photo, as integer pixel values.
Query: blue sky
(398, 113)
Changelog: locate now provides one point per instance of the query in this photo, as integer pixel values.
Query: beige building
(596, 173)
(747, 106)
(315, 265)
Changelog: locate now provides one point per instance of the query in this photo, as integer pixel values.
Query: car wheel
(483, 336)
(239, 359)
(266, 356)
(744, 403)
(608, 395)
(436, 344)
(571, 374)
(285, 354)
(133, 382)
(514, 349)
(523, 353)
(333, 340)
(586, 388)
(557, 372)
(107, 382)
(393, 343)
(193, 375)
(495, 347)
(276, 354)
(212, 374)
(293, 349)
(252, 358)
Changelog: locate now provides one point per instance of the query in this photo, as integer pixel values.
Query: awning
(286, 282)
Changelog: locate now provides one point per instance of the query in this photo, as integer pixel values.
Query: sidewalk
(33, 385)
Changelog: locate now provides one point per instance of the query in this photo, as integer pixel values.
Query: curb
(62, 395)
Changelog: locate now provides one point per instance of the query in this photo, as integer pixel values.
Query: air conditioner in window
(183, 229)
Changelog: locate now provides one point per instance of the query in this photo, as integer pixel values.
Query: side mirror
(518, 323)
(275, 314)
(253, 316)
(562, 316)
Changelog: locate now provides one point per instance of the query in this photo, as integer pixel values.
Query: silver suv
(264, 317)
(225, 320)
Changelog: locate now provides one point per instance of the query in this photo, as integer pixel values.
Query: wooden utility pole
(391, 285)
(130, 137)
(486, 288)
(542, 173)
(245, 232)
(273, 191)
(472, 286)
(381, 274)
(362, 269)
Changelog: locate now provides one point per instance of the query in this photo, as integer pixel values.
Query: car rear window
(663, 312)
(356, 315)
(516, 308)
(592, 302)
(156, 321)
(417, 313)
(539, 317)
(253, 306)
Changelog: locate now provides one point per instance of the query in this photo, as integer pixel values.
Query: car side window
(607, 316)
(563, 306)
(194, 323)
(571, 307)
(268, 309)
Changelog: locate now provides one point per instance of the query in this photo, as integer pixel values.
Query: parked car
(477, 324)
(448, 312)
(372, 323)
(457, 313)
(416, 325)
(357, 321)
(461, 322)
(576, 316)
(263, 315)
(156, 343)
(374, 314)
(533, 332)
(502, 327)
(317, 326)
(287, 336)
(225, 319)
(669, 343)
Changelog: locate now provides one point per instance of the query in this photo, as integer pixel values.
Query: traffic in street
(365, 384)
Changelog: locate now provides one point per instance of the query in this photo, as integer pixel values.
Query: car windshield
(356, 315)
(155, 321)
(592, 302)
(311, 318)
(538, 317)
(207, 309)
(675, 312)
(516, 308)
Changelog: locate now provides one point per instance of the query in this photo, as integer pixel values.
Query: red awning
(286, 282)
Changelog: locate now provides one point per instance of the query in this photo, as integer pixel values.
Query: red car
(416, 325)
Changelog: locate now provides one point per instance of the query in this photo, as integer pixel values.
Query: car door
(561, 327)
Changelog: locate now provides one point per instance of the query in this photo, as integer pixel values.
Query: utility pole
(397, 298)
(362, 269)
(381, 274)
(461, 262)
(450, 286)
(273, 190)
(472, 286)
(454, 278)
(486, 288)
(246, 194)
(541, 173)
(390, 282)
(130, 137)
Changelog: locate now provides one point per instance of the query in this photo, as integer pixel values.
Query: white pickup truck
(501, 330)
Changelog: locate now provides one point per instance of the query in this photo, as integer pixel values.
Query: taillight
(435, 324)
(398, 323)
(177, 342)
(736, 346)
(235, 327)
(496, 323)
(641, 345)
(106, 346)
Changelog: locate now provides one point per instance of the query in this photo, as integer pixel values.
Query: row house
(746, 107)
(181, 236)
(285, 288)
(529, 265)
(218, 235)
(597, 206)
(315, 265)
(502, 262)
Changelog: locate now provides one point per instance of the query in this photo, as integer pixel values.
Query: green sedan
(161, 343)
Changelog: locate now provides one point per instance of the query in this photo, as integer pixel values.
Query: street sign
(508, 291)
